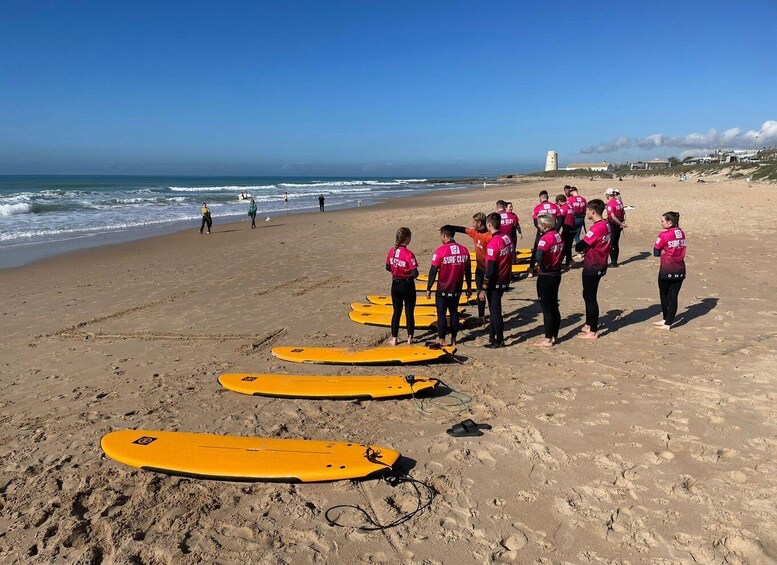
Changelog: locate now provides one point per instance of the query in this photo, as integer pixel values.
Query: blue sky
(372, 88)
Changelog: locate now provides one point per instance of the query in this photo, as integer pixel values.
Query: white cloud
(733, 138)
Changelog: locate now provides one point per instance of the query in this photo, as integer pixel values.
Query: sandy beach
(645, 446)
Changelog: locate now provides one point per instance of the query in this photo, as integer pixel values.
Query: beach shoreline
(26, 252)
(642, 446)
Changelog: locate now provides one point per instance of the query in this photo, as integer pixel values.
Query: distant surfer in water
(454, 265)
(480, 236)
(499, 266)
(252, 213)
(670, 246)
(550, 250)
(207, 220)
(402, 265)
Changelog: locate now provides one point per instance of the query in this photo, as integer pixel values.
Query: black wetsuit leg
(579, 227)
(204, 223)
(568, 236)
(547, 292)
(410, 298)
(590, 290)
(453, 309)
(479, 275)
(669, 291)
(534, 249)
(253, 220)
(496, 325)
(442, 315)
(615, 243)
(399, 298)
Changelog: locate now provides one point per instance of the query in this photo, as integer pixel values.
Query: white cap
(610, 191)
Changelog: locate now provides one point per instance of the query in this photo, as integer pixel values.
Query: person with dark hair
(616, 217)
(596, 246)
(402, 265)
(499, 265)
(544, 207)
(207, 219)
(480, 236)
(567, 227)
(252, 213)
(670, 246)
(550, 250)
(510, 225)
(454, 265)
(577, 203)
(321, 201)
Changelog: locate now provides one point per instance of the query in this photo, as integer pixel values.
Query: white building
(649, 165)
(551, 161)
(602, 166)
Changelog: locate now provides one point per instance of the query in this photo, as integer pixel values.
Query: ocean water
(69, 211)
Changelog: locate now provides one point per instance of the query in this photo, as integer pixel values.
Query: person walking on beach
(252, 213)
(544, 207)
(454, 265)
(402, 265)
(499, 266)
(550, 250)
(670, 246)
(207, 220)
(596, 246)
(567, 227)
(320, 202)
(480, 236)
(577, 203)
(616, 217)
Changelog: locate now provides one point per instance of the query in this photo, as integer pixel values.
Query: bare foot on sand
(393, 341)
(664, 326)
(410, 340)
(661, 323)
(544, 342)
(588, 335)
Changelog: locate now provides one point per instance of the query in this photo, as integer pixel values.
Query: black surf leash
(460, 401)
(371, 523)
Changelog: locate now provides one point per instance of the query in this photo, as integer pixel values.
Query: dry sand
(645, 446)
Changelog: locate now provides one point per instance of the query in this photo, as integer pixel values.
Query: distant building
(551, 161)
(602, 166)
(649, 165)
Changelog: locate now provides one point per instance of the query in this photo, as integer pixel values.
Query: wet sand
(644, 446)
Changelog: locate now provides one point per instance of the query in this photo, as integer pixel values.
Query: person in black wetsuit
(596, 245)
(321, 202)
(402, 265)
(480, 236)
(670, 246)
(453, 264)
(499, 261)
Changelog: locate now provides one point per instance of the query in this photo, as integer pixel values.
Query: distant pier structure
(551, 161)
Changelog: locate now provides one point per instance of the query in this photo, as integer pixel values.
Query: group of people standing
(560, 229)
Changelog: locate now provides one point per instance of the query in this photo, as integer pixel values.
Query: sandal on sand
(467, 428)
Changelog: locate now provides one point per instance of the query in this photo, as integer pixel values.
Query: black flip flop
(467, 428)
(472, 425)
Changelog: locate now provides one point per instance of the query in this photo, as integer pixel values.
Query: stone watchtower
(551, 161)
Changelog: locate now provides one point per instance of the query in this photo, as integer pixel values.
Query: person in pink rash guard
(670, 246)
